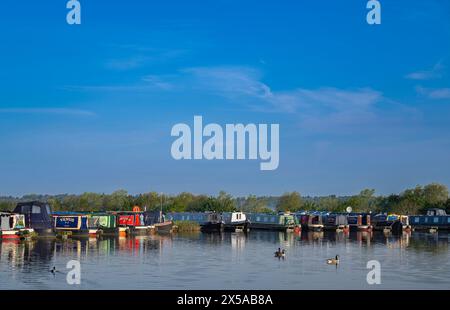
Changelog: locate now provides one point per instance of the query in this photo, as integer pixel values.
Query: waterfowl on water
(333, 261)
(53, 270)
(280, 253)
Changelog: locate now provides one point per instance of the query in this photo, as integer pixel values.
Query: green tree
(289, 202)
(435, 195)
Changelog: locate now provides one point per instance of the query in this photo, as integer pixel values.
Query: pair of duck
(331, 261)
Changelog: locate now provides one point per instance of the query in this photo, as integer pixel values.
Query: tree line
(411, 201)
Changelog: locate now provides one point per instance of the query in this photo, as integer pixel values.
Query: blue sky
(91, 107)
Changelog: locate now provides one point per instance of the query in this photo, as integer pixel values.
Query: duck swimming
(53, 270)
(280, 253)
(333, 261)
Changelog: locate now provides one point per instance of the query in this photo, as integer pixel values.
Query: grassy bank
(187, 226)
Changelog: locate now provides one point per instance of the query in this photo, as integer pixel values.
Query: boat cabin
(38, 215)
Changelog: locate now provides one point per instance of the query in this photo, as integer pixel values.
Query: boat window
(36, 210)
(426, 220)
(448, 219)
(436, 219)
(416, 220)
(48, 209)
(258, 218)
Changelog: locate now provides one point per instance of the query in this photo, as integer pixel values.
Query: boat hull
(164, 228)
(236, 227)
(274, 227)
(212, 227)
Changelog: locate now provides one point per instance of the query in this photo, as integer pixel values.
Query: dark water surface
(230, 261)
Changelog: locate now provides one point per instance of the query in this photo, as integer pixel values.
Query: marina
(233, 250)
(36, 219)
(229, 261)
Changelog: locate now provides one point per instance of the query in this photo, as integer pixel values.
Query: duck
(53, 270)
(280, 253)
(333, 261)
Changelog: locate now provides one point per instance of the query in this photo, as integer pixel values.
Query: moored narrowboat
(158, 222)
(235, 221)
(133, 223)
(311, 222)
(382, 222)
(103, 224)
(359, 222)
(38, 216)
(213, 222)
(279, 222)
(335, 222)
(434, 220)
(12, 226)
(72, 224)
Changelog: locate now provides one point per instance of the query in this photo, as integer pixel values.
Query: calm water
(230, 261)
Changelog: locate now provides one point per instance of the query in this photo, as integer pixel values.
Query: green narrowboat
(280, 222)
(106, 224)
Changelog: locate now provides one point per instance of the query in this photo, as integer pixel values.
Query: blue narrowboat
(359, 222)
(208, 221)
(335, 222)
(38, 216)
(73, 224)
(435, 219)
(383, 222)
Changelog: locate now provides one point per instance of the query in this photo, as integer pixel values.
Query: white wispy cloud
(434, 93)
(60, 111)
(125, 63)
(433, 73)
(317, 110)
(139, 56)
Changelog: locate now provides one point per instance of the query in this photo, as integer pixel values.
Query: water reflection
(188, 257)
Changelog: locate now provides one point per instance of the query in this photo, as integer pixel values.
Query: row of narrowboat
(36, 218)
(434, 220)
(347, 222)
(239, 221)
(212, 221)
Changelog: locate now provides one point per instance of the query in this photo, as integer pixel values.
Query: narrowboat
(382, 222)
(400, 224)
(359, 222)
(335, 222)
(72, 224)
(208, 221)
(158, 222)
(12, 226)
(235, 221)
(434, 220)
(103, 224)
(279, 222)
(312, 222)
(213, 222)
(133, 223)
(38, 216)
